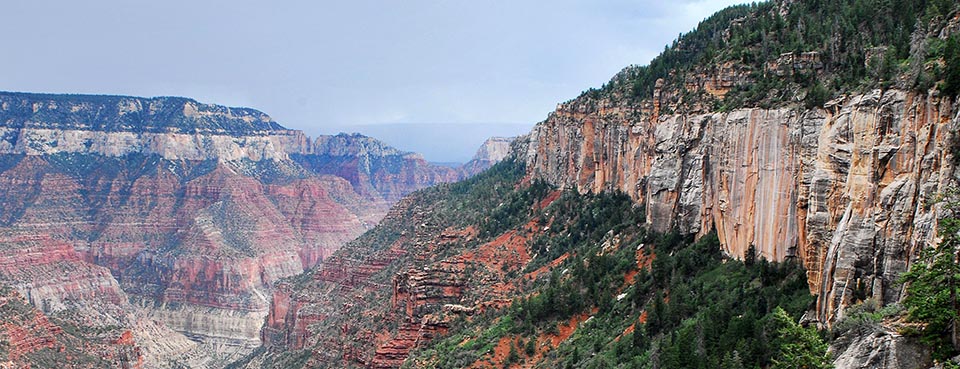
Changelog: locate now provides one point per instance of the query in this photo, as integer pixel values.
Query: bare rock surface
(843, 188)
(173, 219)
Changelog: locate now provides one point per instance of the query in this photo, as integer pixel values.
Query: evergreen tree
(797, 347)
(951, 58)
(750, 257)
(932, 286)
(732, 360)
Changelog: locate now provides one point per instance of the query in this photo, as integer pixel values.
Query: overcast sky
(321, 65)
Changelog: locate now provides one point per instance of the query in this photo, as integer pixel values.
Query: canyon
(166, 232)
(847, 190)
(172, 219)
(849, 187)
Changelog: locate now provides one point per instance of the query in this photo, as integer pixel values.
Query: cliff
(845, 185)
(492, 151)
(190, 211)
(844, 188)
(58, 308)
(820, 134)
(374, 169)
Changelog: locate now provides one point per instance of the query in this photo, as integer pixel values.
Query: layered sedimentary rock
(375, 170)
(192, 211)
(845, 188)
(28, 337)
(51, 277)
(392, 290)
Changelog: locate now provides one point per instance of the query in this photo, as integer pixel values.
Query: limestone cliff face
(845, 188)
(492, 151)
(171, 127)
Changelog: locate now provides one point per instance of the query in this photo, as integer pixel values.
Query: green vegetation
(865, 317)
(951, 58)
(701, 309)
(933, 283)
(797, 347)
(491, 200)
(842, 46)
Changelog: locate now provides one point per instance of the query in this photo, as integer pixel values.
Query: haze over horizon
(398, 69)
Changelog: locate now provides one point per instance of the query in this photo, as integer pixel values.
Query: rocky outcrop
(844, 188)
(492, 151)
(878, 348)
(422, 294)
(51, 275)
(410, 335)
(28, 337)
(399, 286)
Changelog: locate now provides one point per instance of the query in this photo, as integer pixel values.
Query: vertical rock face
(493, 150)
(844, 188)
(191, 211)
(878, 348)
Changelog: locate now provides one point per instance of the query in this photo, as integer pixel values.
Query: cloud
(316, 64)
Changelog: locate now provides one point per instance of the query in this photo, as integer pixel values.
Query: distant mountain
(492, 151)
(438, 142)
(175, 218)
(775, 171)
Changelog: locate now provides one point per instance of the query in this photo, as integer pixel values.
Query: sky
(424, 70)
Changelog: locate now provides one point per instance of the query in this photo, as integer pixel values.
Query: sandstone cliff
(846, 185)
(845, 188)
(784, 136)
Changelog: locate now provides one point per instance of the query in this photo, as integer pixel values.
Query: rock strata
(191, 211)
(844, 188)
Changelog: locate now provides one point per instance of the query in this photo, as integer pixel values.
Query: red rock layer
(29, 338)
(346, 313)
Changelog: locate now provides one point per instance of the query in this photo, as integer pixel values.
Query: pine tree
(932, 284)
(797, 347)
(750, 257)
(732, 361)
(951, 58)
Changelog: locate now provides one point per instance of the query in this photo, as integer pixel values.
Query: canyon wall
(492, 151)
(180, 216)
(846, 189)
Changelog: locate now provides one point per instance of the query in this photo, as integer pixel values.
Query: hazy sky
(321, 65)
